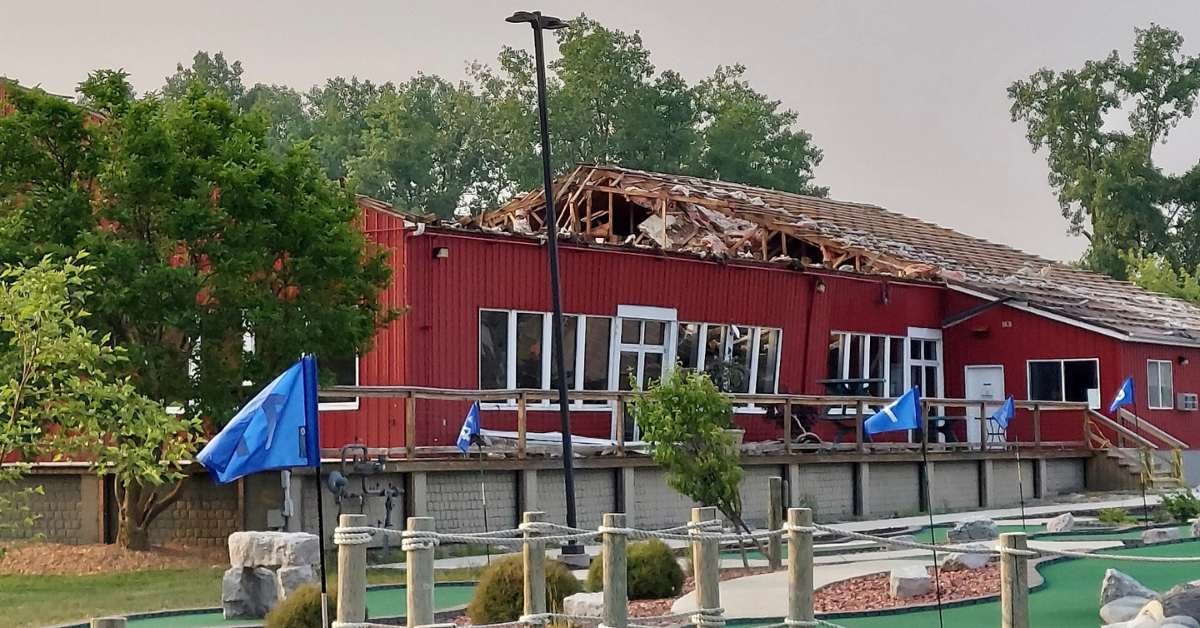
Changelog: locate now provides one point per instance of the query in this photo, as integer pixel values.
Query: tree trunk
(139, 506)
(132, 536)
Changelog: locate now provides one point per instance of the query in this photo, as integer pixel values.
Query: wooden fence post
(1014, 582)
(616, 572)
(983, 419)
(775, 521)
(410, 426)
(706, 558)
(800, 566)
(352, 575)
(787, 426)
(109, 622)
(860, 409)
(534, 553)
(522, 419)
(420, 575)
(1037, 427)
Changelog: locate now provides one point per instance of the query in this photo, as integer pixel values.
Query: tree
(1105, 178)
(213, 72)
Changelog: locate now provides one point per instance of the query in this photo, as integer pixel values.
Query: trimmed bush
(653, 571)
(500, 595)
(301, 609)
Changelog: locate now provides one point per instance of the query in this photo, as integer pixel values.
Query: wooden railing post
(706, 558)
(420, 576)
(1014, 582)
(616, 598)
(775, 521)
(619, 419)
(352, 575)
(522, 401)
(800, 566)
(983, 419)
(860, 409)
(109, 622)
(410, 425)
(787, 426)
(1037, 426)
(534, 553)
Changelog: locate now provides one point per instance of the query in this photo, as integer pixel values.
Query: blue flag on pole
(276, 430)
(470, 428)
(1124, 395)
(1004, 413)
(902, 414)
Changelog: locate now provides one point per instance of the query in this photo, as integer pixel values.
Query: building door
(644, 349)
(984, 382)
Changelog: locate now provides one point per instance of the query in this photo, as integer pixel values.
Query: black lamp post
(542, 23)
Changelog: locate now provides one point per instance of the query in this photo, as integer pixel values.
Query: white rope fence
(706, 534)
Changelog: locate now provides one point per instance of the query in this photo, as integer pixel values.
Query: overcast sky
(906, 98)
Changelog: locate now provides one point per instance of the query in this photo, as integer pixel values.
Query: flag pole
(1142, 458)
(321, 546)
(937, 579)
(1020, 481)
(483, 496)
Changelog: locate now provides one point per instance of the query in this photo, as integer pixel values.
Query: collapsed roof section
(617, 206)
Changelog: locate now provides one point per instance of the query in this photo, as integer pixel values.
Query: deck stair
(1143, 450)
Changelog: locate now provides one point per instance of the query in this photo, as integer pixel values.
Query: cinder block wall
(955, 486)
(205, 515)
(58, 510)
(1006, 490)
(456, 501)
(828, 489)
(657, 505)
(895, 489)
(1064, 475)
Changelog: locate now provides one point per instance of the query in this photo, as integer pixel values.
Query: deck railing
(524, 401)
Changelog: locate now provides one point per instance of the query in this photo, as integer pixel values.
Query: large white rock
(584, 604)
(909, 582)
(292, 578)
(1160, 535)
(1122, 609)
(271, 549)
(1117, 585)
(248, 592)
(973, 529)
(1062, 523)
(1195, 532)
(1180, 621)
(962, 561)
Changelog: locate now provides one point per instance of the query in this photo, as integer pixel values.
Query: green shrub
(500, 595)
(1114, 516)
(653, 571)
(301, 609)
(1182, 506)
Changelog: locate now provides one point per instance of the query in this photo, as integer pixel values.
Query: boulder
(1160, 535)
(962, 561)
(272, 549)
(1062, 523)
(1195, 531)
(584, 604)
(909, 582)
(1117, 585)
(248, 592)
(292, 578)
(973, 529)
(1183, 599)
(1122, 609)
(1180, 621)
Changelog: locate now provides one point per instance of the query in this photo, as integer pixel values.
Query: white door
(983, 382)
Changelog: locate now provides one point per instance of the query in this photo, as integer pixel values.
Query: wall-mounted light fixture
(1182, 360)
(820, 286)
(441, 252)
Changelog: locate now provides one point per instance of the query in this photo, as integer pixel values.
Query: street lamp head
(536, 20)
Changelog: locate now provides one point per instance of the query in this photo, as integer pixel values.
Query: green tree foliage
(301, 609)
(1107, 183)
(213, 72)
(500, 595)
(652, 571)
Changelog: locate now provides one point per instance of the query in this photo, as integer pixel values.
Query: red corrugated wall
(1185, 378)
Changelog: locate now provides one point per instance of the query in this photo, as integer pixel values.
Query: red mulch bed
(869, 593)
(39, 559)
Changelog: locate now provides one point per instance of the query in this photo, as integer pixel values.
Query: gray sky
(906, 98)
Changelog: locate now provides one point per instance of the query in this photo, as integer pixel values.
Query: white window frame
(1167, 402)
(727, 349)
(343, 406)
(866, 364)
(1094, 404)
(619, 346)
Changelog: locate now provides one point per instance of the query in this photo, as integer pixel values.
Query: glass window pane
(1167, 384)
(739, 362)
(570, 340)
(655, 333)
(875, 363)
(1045, 381)
(595, 356)
(930, 349)
(1079, 376)
(768, 360)
(631, 331)
(915, 377)
(686, 344)
(652, 369)
(1155, 396)
(628, 369)
(914, 349)
(529, 350)
(493, 350)
(345, 373)
(856, 357)
(714, 348)
(834, 365)
(896, 367)
(930, 389)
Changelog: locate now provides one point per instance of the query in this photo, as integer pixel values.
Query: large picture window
(1065, 380)
(1161, 385)
(738, 358)
(345, 373)
(514, 351)
(871, 357)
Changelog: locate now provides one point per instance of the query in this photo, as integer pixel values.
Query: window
(924, 363)
(511, 353)
(738, 358)
(345, 373)
(1065, 380)
(643, 349)
(493, 350)
(862, 356)
(1159, 380)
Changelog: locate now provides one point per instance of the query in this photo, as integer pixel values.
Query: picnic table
(844, 416)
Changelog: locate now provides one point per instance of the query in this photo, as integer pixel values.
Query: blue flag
(470, 428)
(1124, 395)
(276, 430)
(1004, 413)
(902, 414)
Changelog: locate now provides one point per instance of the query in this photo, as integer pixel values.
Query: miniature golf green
(381, 602)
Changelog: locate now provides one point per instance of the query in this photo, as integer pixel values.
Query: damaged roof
(624, 207)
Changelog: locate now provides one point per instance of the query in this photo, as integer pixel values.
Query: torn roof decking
(623, 207)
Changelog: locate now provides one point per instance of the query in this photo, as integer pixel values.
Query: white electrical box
(1189, 402)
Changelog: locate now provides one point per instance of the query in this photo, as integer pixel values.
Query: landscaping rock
(1160, 535)
(584, 604)
(248, 592)
(1181, 600)
(1117, 585)
(973, 529)
(906, 582)
(1122, 609)
(1180, 621)
(1195, 531)
(292, 578)
(1062, 523)
(961, 561)
(271, 549)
